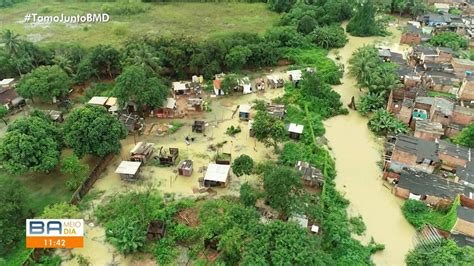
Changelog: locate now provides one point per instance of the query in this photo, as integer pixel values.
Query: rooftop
(423, 149)
(244, 108)
(180, 85)
(217, 172)
(421, 183)
(170, 103)
(5, 82)
(295, 128)
(466, 173)
(98, 100)
(445, 106)
(128, 168)
(429, 127)
(465, 213)
(454, 150)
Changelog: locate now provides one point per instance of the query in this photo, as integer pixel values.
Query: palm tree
(370, 102)
(12, 46)
(362, 64)
(141, 54)
(63, 62)
(11, 41)
(383, 122)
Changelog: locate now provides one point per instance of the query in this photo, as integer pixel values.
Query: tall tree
(140, 54)
(76, 171)
(30, 144)
(268, 129)
(45, 82)
(283, 188)
(93, 130)
(105, 60)
(364, 22)
(448, 253)
(133, 85)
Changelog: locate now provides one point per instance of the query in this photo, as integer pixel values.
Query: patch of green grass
(442, 94)
(17, 255)
(199, 20)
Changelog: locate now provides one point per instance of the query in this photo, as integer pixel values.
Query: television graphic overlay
(54, 233)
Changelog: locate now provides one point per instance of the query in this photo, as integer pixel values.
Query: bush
(383, 122)
(231, 131)
(125, 9)
(165, 251)
(248, 195)
(242, 165)
(329, 36)
(449, 39)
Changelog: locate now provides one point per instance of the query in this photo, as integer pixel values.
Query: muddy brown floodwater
(357, 152)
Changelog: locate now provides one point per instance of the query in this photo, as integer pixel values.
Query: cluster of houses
(435, 172)
(427, 25)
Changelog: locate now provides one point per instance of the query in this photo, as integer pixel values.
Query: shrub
(242, 165)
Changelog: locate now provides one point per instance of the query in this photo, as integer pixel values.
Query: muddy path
(357, 152)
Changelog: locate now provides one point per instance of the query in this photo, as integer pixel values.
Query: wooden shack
(56, 116)
(199, 126)
(216, 175)
(311, 176)
(166, 158)
(156, 230)
(276, 110)
(295, 131)
(141, 152)
(132, 122)
(128, 170)
(223, 158)
(194, 104)
(185, 168)
(274, 82)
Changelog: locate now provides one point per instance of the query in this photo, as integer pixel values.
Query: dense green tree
(61, 210)
(281, 5)
(229, 83)
(84, 71)
(13, 208)
(306, 25)
(362, 63)
(64, 63)
(382, 122)
(364, 22)
(329, 36)
(370, 102)
(283, 188)
(237, 57)
(466, 137)
(414, 211)
(248, 195)
(140, 54)
(242, 165)
(280, 243)
(134, 86)
(268, 129)
(448, 253)
(105, 60)
(75, 170)
(449, 39)
(30, 144)
(93, 130)
(11, 41)
(3, 114)
(383, 79)
(44, 82)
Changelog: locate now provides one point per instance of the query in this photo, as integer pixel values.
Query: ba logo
(54, 233)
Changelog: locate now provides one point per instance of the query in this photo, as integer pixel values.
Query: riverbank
(357, 152)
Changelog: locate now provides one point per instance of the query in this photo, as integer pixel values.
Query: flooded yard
(357, 152)
(165, 179)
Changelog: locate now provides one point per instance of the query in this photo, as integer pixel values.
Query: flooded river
(357, 152)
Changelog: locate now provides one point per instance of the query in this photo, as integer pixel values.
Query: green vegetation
(3, 114)
(449, 39)
(93, 130)
(419, 214)
(13, 209)
(133, 85)
(268, 129)
(442, 94)
(248, 195)
(76, 171)
(61, 211)
(364, 22)
(231, 131)
(446, 254)
(327, 37)
(31, 144)
(410, 7)
(242, 165)
(44, 82)
(466, 137)
(165, 19)
(371, 101)
(383, 122)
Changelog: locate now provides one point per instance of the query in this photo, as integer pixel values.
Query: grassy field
(171, 19)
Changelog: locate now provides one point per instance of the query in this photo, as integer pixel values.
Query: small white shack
(216, 175)
(295, 131)
(244, 112)
(98, 100)
(294, 75)
(128, 170)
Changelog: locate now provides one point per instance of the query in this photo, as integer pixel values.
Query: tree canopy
(446, 254)
(61, 210)
(92, 130)
(242, 165)
(364, 22)
(30, 144)
(45, 82)
(133, 85)
(268, 129)
(382, 122)
(466, 137)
